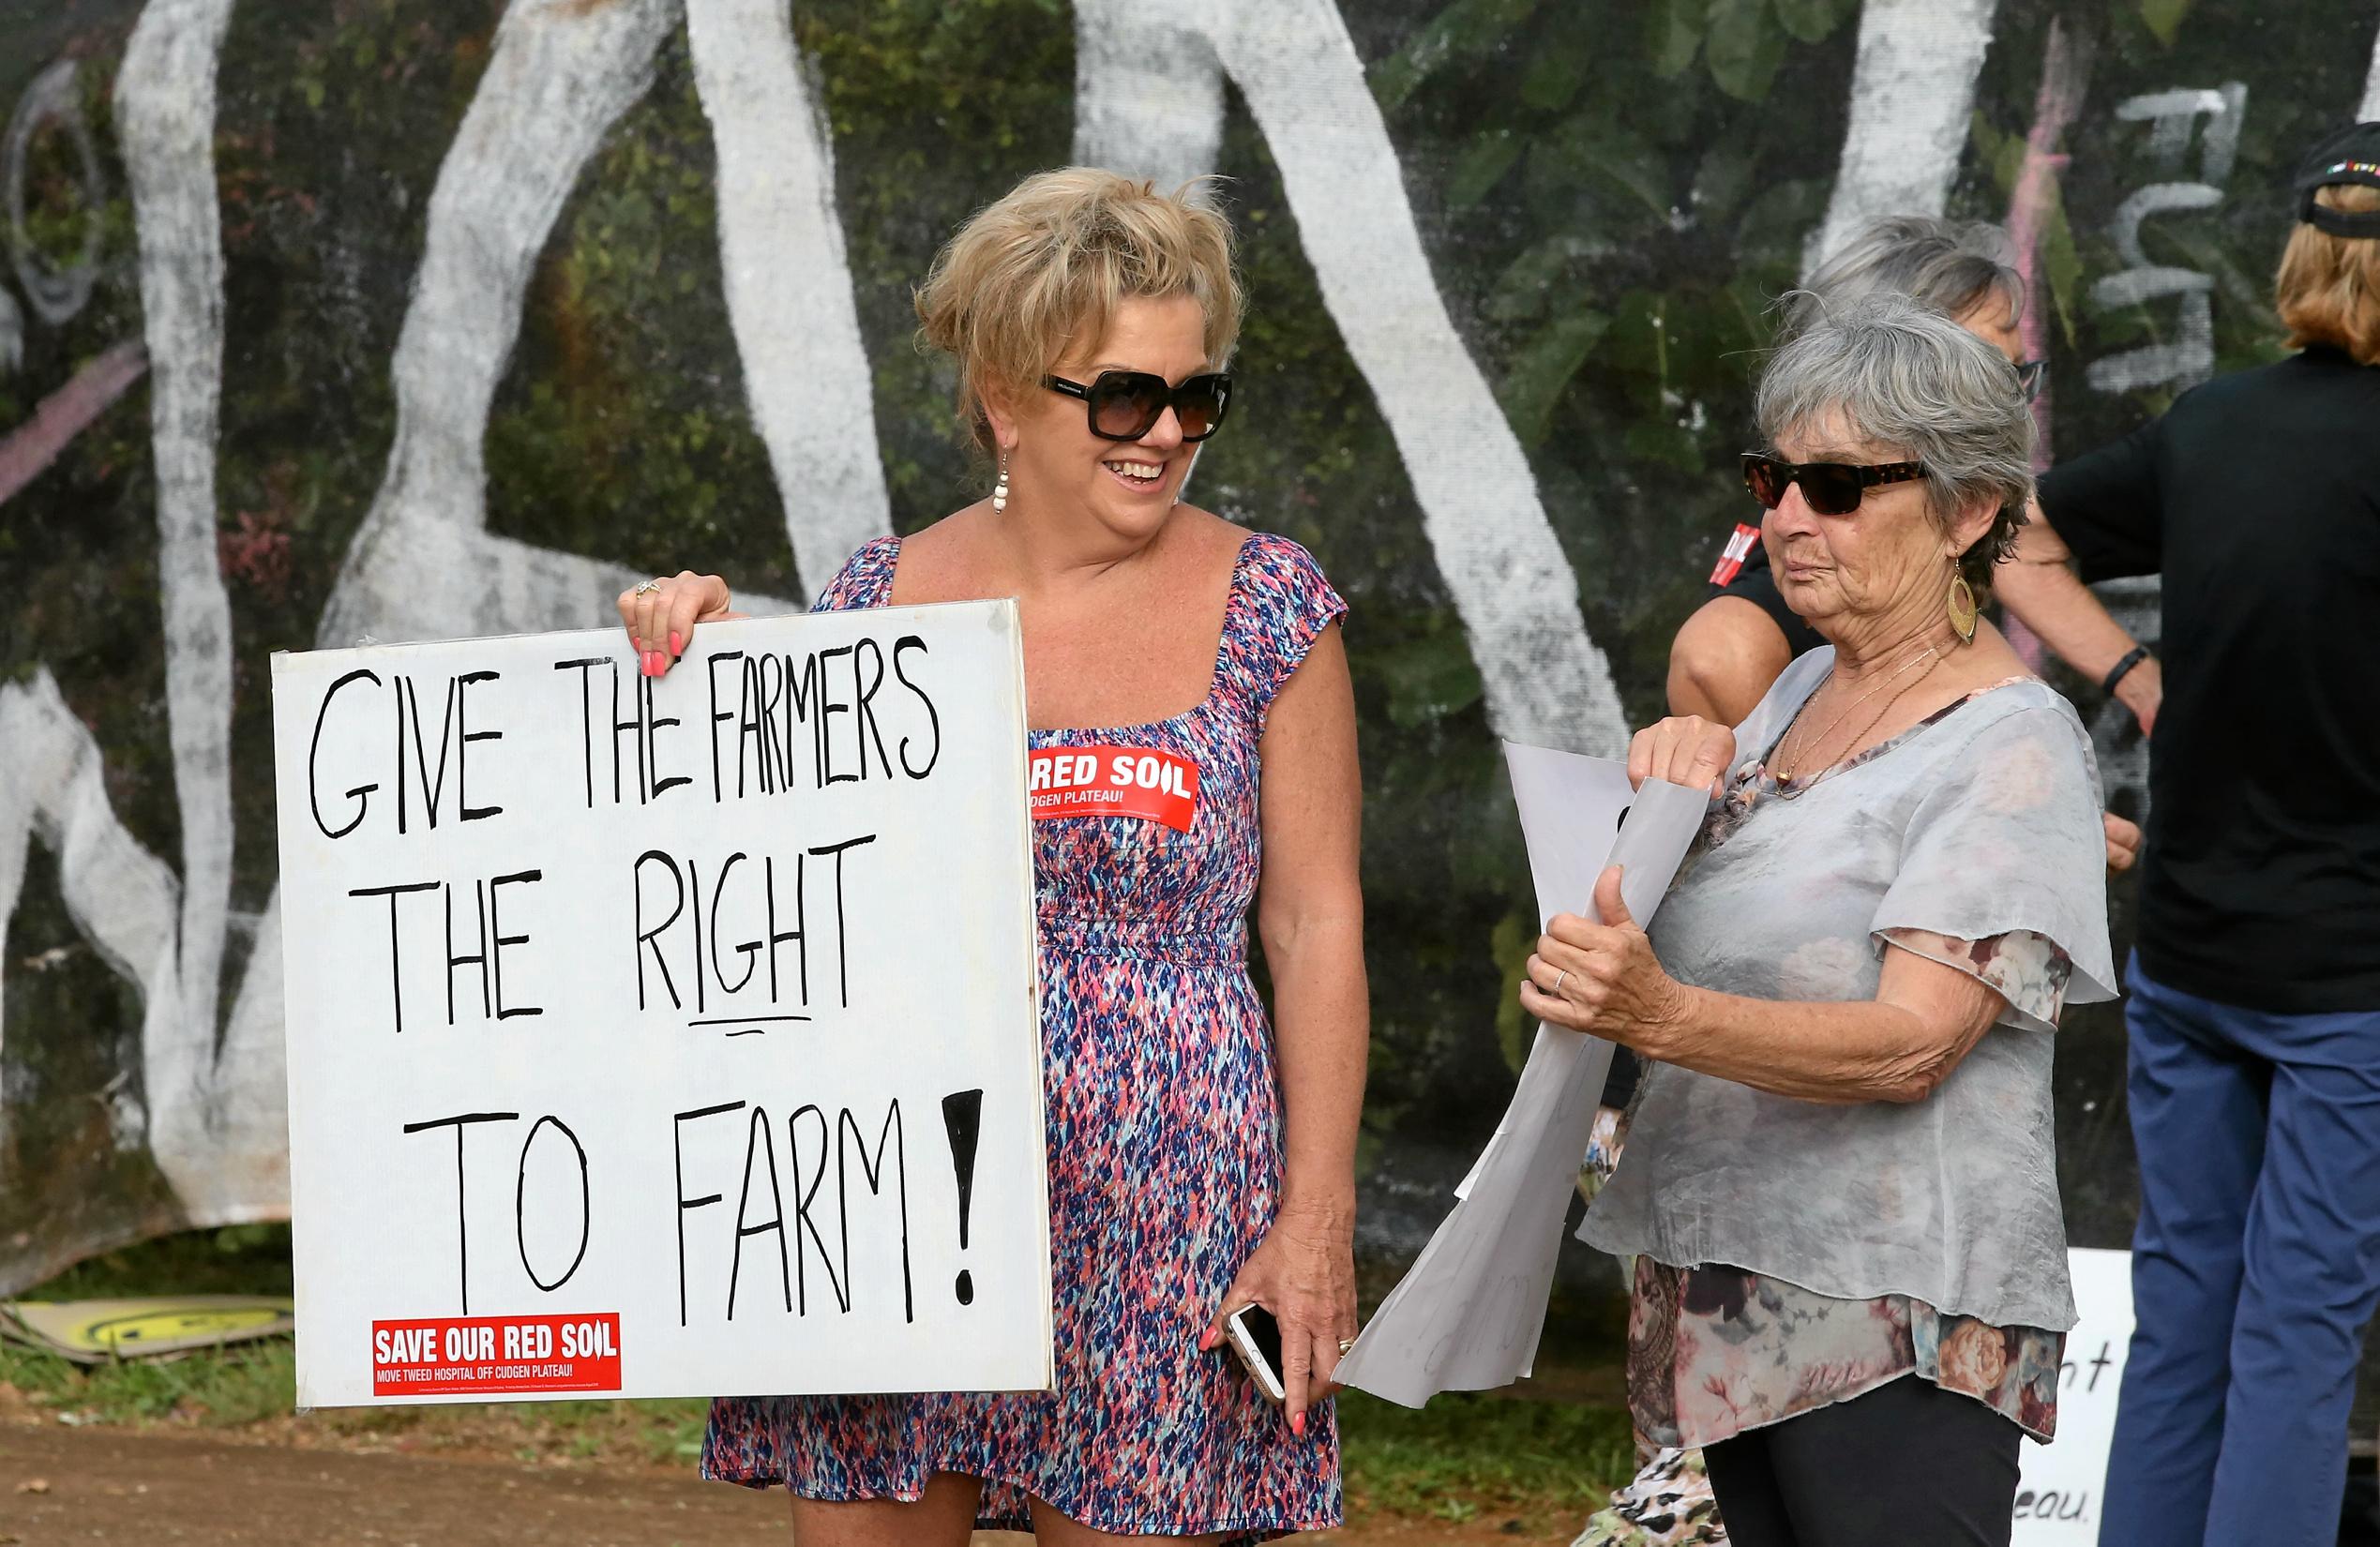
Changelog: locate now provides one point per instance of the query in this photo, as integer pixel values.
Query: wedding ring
(645, 588)
(1347, 1345)
(1556, 992)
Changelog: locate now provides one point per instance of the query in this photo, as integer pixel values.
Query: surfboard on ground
(93, 1331)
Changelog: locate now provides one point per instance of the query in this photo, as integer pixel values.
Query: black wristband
(2133, 657)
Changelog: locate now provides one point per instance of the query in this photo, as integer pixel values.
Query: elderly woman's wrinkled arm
(1899, 1047)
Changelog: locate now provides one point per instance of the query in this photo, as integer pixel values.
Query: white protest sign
(2062, 1485)
(658, 1039)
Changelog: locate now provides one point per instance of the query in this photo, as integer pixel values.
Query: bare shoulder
(945, 562)
(1204, 539)
(1196, 552)
(953, 535)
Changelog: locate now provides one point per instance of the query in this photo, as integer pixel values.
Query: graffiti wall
(397, 319)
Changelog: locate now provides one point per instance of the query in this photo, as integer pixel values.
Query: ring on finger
(646, 587)
(1556, 991)
(1347, 1345)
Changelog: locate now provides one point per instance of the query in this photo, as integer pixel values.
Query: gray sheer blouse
(1980, 823)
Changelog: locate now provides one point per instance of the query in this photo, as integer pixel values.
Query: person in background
(2254, 1008)
(1201, 1155)
(1839, 1187)
(1735, 644)
(1730, 652)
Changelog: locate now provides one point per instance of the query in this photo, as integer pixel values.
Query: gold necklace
(1794, 757)
(1857, 736)
(1820, 777)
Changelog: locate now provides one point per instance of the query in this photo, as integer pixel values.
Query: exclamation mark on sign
(962, 1115)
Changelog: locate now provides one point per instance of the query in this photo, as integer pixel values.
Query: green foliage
(1481, 166)
(1463, 30)
(239, 1384)
(237, 1259)
(1429, 676)
(1469, 1456)
(1513, 944)
(1815, 21)
(1541, 370)
(2164, 18)
(1673, 35)
(1746, 45)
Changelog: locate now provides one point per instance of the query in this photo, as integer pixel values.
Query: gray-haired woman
(1840, 1170)
(1730, 652)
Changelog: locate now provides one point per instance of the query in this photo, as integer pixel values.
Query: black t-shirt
(2257, 498)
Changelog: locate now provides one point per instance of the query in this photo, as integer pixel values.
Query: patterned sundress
(1164, 1154)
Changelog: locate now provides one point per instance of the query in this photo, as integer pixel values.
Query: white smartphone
(1255, 1337)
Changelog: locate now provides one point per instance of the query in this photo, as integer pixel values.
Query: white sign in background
(667, 1038)
(2063, 1485)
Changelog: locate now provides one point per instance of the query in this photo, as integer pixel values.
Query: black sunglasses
(1124, 405)
(2030, 374)
(1831, 488)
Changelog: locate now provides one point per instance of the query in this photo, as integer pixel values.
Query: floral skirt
(1713, 1351)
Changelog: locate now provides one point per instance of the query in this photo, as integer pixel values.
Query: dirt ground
(61, 1486)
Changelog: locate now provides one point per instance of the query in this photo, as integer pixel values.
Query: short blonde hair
(2327, 290)
(1047, 265)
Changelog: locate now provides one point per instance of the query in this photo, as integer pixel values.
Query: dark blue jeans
(2255, 1266)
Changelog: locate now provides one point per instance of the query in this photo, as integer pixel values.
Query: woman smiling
(1201, 1160)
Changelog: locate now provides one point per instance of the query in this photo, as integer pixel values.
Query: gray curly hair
(1904, 376)
(1950, 266)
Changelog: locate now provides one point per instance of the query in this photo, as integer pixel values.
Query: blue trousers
(2255, 1266)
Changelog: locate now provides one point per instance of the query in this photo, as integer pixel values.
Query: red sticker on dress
(1112, 781)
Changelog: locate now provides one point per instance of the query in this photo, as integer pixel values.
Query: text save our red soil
(475, 1355)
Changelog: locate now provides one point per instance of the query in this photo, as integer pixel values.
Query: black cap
(2350, 156)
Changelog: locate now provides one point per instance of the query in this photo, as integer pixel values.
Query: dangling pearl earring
(999, 489)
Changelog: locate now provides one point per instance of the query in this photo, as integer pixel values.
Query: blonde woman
(1202, 1158)
(2255, 1007)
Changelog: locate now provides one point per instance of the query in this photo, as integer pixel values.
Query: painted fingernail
(1297, 1425)
(677, 642)
(653, 663)
(1208, 1339)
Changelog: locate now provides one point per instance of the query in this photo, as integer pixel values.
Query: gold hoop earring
(1962, 606)
(999, 489)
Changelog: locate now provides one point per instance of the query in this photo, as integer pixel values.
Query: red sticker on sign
(1113, 781)
(473, 1356)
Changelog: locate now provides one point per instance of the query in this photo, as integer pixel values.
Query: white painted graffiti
(2188, 356)
(209, 1104)
(57, 292)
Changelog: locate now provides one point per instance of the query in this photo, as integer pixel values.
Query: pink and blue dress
(1165, 1153)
